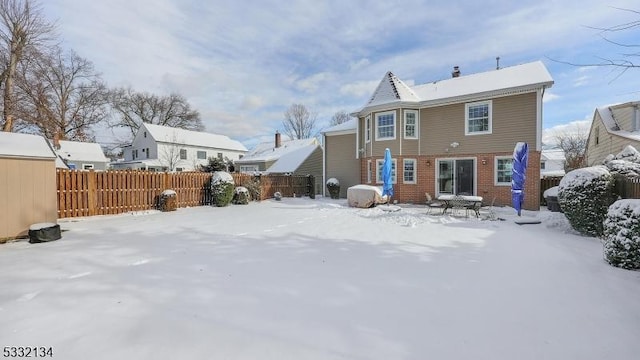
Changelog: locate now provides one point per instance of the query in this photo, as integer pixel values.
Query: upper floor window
(220, 156)
(147, 152)
(478, 118)
(386, 125)
(145, 134)
(504, 170)
(183, 154)
(410, 124)
(542, 165)
(201, 155)
(379, 164)
(87, 166)
(367, 129)
(409, 171)
(597, 135)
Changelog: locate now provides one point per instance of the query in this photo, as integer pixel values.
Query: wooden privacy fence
(626, 188)
(88, 193)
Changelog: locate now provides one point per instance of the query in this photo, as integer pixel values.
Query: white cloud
(241, 64)
(549, 96)
(578, 127)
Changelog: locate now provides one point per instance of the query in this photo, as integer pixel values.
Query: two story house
(613, 128)
(451, 136)
(164, 148)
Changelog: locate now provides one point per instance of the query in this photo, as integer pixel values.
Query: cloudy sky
(243, 63)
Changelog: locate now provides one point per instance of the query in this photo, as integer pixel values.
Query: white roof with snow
(267, 151)
(347, 126)
(612, 126)
(514, 78)
(195, 138)
(553, 155)
(292, 160)
(24, 145)
(81, 151)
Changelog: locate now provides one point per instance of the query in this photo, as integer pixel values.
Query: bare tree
(22, 26)
(133, 108)
(339, 118)
(169, 154)
(298, 122)
(574, 145)
(62, 93)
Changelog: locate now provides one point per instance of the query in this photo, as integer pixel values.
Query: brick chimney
(56, 140)
(278, 140)
(456, 72)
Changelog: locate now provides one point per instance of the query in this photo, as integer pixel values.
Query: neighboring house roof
(194, 138)
(346, 127)
(292, 160)
(267, 151)
(81, 151)
(612, 126)
(25, 145)
(514, 78)
(553, 155)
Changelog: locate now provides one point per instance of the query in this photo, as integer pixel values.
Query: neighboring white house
(80, 155)
(164, 148)
(552, 163)
(266, 155)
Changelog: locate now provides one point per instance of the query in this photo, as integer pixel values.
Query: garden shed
(27, 184)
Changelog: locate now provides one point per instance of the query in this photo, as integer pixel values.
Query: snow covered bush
(625, 164)
(333, 185)
(584, 196)
(222, 188)
(241, 196)
(253, 185)
(622, 234)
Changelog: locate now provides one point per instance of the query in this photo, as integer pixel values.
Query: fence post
(311, 186)
(91, 192)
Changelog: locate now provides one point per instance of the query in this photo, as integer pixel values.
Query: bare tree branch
(131, 108)
(298, 122)
(340, 117)
(62, 93)
(22, 26)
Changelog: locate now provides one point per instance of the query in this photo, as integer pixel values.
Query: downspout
(540, 94)
(324, 163)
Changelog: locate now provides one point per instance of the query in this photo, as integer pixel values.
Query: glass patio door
(456, 176)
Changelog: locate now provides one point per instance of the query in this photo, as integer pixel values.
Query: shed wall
(27, 195)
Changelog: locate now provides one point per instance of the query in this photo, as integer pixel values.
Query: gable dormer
(391, 89)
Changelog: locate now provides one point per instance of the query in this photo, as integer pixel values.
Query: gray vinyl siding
(514, 119)
(341, 161)
(608, 144)
(313, 166)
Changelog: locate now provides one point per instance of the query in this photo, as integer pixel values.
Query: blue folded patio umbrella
(387, 183)
(518, 174)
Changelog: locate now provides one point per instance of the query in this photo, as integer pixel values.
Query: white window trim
(186, 154)
(367, 129)
(198, 152)
(417, 124)
(369, 169)
(394, 125)
(495, 171)
(415, 171)
(380, 164)
(466, 118)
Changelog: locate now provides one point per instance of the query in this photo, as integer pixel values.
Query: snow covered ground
(315, 279)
